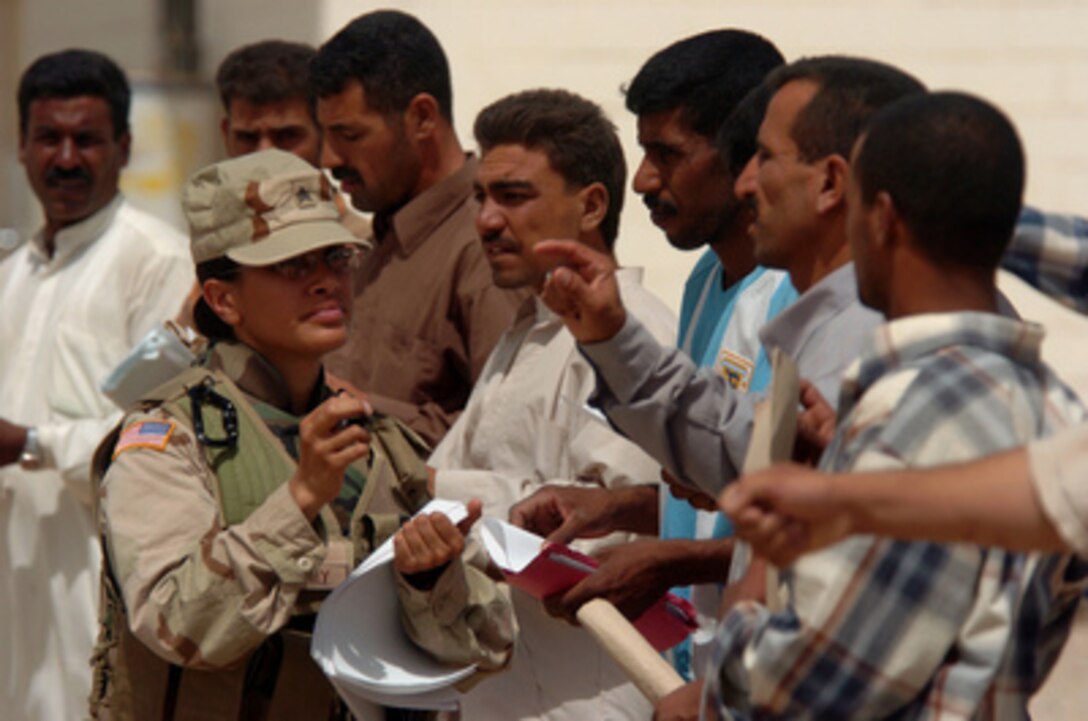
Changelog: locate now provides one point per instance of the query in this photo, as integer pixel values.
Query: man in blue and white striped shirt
(697, 123)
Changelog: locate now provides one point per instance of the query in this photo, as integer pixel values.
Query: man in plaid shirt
(877, 628)
(1050, 251)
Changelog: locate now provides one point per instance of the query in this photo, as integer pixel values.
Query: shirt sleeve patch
(736, 368)
(145, 434)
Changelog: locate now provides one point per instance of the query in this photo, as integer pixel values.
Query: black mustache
(343, 174)
(495, 237)
(654, 202)
(56, 174)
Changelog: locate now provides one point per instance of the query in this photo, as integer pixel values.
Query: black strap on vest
(201, 395)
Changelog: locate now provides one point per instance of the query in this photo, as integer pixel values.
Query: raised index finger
(588, 263)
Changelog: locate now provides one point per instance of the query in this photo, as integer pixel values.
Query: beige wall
(1029, 56)
(126, 31)
(11, 175)
(174, 125)
(227, 24)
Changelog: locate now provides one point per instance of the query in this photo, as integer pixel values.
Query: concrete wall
(175, 124)
(126, 31)
(1029, 56)
(225, 25)
(10, 171)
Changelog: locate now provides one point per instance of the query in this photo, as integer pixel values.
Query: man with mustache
(265, 91)
(1028, 499)
(697, 130)
(687, 418)
(874, 628)
(551, 167)
(690, 419)
(73, 300)
(426, 312)
(267, 103)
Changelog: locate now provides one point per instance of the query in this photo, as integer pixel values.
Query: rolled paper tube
(651, 673)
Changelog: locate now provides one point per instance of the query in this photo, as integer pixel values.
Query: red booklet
(542, 569)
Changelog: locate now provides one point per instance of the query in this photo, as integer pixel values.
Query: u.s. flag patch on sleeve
(145, 434)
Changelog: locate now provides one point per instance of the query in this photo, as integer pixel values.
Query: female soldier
(243, 490)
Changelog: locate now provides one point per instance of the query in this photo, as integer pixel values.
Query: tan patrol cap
(261, 208)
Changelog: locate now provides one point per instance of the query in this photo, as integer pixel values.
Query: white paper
(360, 645)
(510, 547)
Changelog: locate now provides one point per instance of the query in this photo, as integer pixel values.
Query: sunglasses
(339, 259)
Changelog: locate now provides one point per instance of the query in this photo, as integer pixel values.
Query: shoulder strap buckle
(202, 394)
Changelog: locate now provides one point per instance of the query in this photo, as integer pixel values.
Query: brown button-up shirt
(426, 314)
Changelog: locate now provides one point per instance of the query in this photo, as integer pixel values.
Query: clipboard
(773, 436)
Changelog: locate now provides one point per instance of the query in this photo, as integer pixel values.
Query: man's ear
(224, 130)
(886, 223)
(594, 198)
(835, 173)
(125, 143)
(422, 116)
(221, 298)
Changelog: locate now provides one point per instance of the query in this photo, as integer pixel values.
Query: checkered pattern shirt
(1050, 252)
(878, 628)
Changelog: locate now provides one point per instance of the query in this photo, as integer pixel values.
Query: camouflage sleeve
(468, 616)
(198, 593)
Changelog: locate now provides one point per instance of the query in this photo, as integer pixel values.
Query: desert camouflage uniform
(466, 617)
(231, 603)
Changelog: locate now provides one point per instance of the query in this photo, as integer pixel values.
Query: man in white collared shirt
(73, 300)
(551, 166)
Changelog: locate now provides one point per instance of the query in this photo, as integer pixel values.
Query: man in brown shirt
(426, 314)
(267, 103)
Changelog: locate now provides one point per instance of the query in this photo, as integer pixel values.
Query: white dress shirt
(527, 424)
(65, 322)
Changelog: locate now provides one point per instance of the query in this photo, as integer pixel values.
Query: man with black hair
(73, 300)
(267, 103)
(265, 91)
(692, 420)
(426, 312)
(697, 123)
(551, 167)
(876, 628)
(1033, 498)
